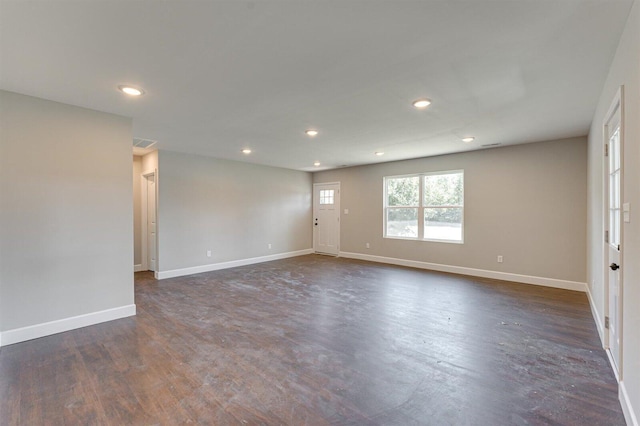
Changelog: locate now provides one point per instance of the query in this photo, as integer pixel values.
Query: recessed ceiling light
(468, 139)
(379, 153)
(422, 103)
(311, 132)
(131, 90)
(246, 151)
(316, 163)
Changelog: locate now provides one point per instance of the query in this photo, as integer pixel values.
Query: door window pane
(614, 227)
(614, 150)
(326, 196)
(614, 188)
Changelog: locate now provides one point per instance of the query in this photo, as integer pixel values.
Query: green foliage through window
(443, 190)
(403, 191)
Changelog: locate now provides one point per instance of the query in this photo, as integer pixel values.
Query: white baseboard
(627, 408)
(53, 327)
(137, 268)
(612, 363)
(525, 279)
(231, 264)
(596, 317)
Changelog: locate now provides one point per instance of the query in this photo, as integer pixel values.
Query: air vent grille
(490, 145)
(143, 143)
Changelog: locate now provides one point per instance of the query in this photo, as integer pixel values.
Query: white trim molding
(137, 268)
(596, 316)
(230, 264)
(627, 408)
(66, 324)
(602, 333)
(506, 276)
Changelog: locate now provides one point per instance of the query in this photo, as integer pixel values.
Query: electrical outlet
(499, 259)
(368, 246)
(208, 253)
(269, 246)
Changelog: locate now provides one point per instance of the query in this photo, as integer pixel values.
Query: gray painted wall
(66, 225)
(625, 70)
(233, 209)
(526, 203)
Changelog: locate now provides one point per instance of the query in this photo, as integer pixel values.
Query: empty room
(322, 212)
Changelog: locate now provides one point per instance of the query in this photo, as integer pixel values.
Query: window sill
(424, 240)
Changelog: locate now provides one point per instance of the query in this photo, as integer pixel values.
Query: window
(614, 189)
(326, 196)
(427, 206)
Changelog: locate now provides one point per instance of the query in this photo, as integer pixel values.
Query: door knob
(614, 266)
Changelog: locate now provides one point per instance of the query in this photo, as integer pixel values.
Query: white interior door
(326, 218)
(614, 232)
(151, 222)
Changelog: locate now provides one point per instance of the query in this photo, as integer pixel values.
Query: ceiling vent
(490, 145)
(143, 143)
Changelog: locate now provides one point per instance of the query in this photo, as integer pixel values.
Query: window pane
(402, 223)
(614, 190)
(326, 196)
(443, 190)
(403, 191)
(443, 224)
(614, 150)
(614, 227)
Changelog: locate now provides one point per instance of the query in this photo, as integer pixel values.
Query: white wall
(625, 70)
(137, 212)
(66, 225)
(233, 209)
(525, 202)
(150, 162)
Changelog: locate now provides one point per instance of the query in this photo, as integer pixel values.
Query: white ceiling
(224, 75)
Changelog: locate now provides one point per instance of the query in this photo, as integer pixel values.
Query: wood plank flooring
(316, 340)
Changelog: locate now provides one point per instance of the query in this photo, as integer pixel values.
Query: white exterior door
(326, 218)
(614, 231)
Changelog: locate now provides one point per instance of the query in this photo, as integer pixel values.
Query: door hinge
(606, 236)
(606, 322)
(606, 149)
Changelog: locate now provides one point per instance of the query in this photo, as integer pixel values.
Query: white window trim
(421, 207)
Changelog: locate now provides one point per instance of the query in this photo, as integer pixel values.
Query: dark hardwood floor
(317, 340)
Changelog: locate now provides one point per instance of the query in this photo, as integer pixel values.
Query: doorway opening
(149, 223)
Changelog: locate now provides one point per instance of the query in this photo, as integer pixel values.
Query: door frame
(616, 104)
(313, 228)
(143, 222)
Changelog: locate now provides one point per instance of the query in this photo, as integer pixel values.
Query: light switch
(346, 211)
(625, 212)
